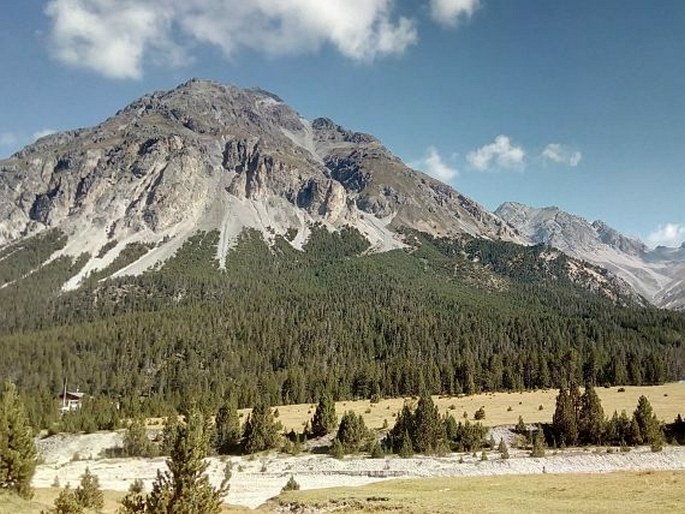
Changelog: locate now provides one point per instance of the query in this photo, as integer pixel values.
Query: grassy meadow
(624, 492)
(668, 401)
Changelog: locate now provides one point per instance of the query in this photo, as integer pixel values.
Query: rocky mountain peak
(656, 274)
(206, 155)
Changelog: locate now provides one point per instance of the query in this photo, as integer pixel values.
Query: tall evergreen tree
(590, 418)
(261, 431)
(17, 448)
(648, 425)
(227, 429)
(564, 423)
(325, 419)
(184, 488)
(429, 430)
(404, 424)
(352, 432)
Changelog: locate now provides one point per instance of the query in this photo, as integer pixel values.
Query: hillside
(657, 274)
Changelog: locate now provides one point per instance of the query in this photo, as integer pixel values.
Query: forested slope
(442, 315)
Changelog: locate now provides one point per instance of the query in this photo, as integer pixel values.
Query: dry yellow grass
(668, 401)
(623, 492)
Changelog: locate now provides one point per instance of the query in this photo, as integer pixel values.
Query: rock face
(206, 156)
(658, 275)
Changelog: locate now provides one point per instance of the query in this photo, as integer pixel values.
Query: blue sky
(579, 104)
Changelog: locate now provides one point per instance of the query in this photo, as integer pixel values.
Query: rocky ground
(258, 478)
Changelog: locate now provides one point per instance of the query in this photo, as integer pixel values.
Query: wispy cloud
(450, 12)
(500, 154)
(434, 165)
(670, 234)
(114, 38)
(42, 133)
(561, 154)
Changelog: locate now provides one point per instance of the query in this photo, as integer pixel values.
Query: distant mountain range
(205, 157)
(658, 275)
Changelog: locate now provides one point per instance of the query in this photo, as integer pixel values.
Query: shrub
(479, 414)
(291, 485)
(503, 449)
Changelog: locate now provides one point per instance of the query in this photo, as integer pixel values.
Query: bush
(479, 414)
(291, 485)
(503, 449)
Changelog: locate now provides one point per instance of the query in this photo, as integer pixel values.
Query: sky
(577, 103)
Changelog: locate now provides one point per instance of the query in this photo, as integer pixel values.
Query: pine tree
(503, 449)
(261, 431)
(171, 424)
(564, 420)
(88, 493)
(647, 423)
(136, 443)
(590, 417)
(66, 503)
(17, 448)
(429, 431)
(227, 429)
(404, 423)
(538, 444)
(184, 488)
(325, 419)
(352, 432)
(406, 449)
(135, 501)
(521, 427)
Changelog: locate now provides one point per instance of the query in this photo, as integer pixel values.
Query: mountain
(208, 242)
(658, 275)
(206, 156)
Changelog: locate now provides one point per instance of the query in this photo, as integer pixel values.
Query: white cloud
(501, 153)
(42, 133)
(113, 37)
(561, 154)
(450, 12)
(670, 234)
(434, 165)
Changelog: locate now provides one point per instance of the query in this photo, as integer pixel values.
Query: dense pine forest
(280, 325)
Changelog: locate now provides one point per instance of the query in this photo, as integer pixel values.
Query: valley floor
(258, 478)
